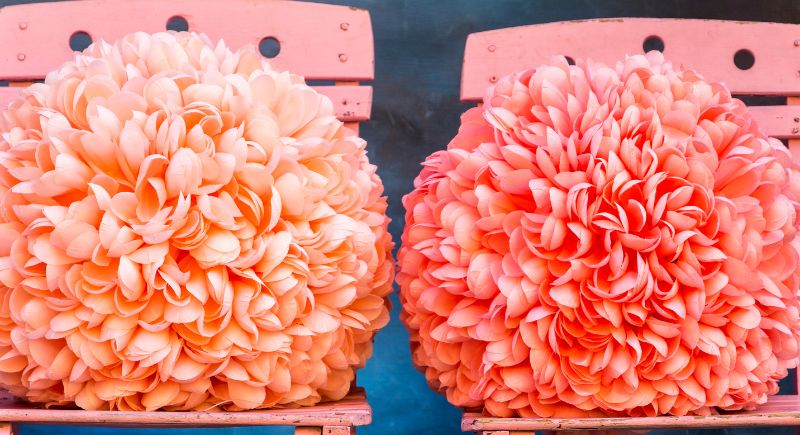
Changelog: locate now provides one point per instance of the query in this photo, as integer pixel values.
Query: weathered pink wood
(338, 430)
(776, 48)
(778, 411)
(327, 430)
(782, 122)
(794, 148)
(581, 432)
(351, 411)
(350, 104)
(318, 41)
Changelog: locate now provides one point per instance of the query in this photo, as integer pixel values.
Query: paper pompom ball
(183, 227)
(601, 240)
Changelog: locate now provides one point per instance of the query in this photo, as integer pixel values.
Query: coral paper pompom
(183, 227)
(602, 240)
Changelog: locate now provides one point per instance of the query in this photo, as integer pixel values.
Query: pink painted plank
(350, 411)
(338, 430)
(318, 41)
(778, 411)
(794, 148)
(350, 103)
(326, 430)
(775, 46)
(782, 122)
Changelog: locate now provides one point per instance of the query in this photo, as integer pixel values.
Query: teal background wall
(419, 46)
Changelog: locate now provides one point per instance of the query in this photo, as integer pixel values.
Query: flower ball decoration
(182, 228)
(604, 241)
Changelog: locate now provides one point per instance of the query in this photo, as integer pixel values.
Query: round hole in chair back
(177, 24)
(744, 59)
(79, 41)
(269, 47)
(653, 42)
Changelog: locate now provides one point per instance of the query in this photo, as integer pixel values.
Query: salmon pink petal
(186, 228)
(183, 175)
(630, 235)
(220, 247)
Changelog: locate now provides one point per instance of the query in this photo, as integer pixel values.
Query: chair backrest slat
(708, 46)
(782, 122)
(321, 42)
(350, 104)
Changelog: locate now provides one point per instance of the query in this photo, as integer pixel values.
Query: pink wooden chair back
(707, 46)
(321, 42)
(751, 58)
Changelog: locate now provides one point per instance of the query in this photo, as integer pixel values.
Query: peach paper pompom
(602, 240)
(183, 227)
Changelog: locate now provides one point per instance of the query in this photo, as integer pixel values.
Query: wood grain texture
(350, 411)
(778, 411)
(338, 430)
(496, 53)
(583, 432)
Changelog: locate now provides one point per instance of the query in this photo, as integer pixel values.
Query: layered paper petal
(616, 240)
(183, 227)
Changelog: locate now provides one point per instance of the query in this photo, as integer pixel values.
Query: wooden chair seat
(778, 411)
(335, 418)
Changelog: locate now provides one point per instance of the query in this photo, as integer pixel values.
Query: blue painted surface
(419, 47)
